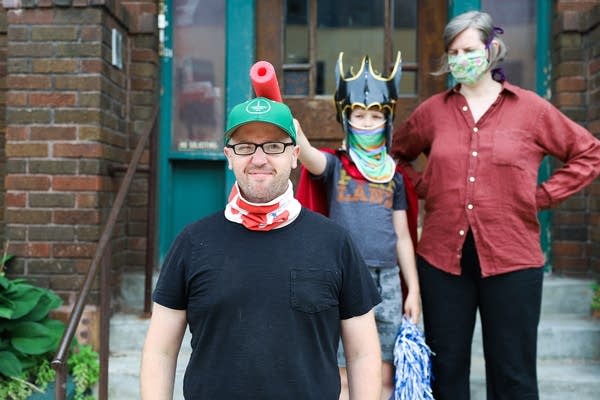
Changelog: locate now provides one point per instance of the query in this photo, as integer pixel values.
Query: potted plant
(595, 305)
(29, 338)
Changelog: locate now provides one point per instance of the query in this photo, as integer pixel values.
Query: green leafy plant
(85, 368)
(595, 305)
(29, 338)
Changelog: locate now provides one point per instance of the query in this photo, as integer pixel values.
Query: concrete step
(560, 295)
(127, 333)
(566, 295)
(131, 295)
(560, 336)
(568, 347)
(564, 379)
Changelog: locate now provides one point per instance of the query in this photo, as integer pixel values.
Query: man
(266, 287)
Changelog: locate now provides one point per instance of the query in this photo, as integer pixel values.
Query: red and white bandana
(265, 216)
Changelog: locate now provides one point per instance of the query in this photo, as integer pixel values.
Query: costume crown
(367, 89)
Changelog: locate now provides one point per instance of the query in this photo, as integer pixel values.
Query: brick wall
(3, 40)
(71, 117)
(576, 91)
(143, 88)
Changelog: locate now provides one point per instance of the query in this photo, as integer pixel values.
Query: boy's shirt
(365, 209)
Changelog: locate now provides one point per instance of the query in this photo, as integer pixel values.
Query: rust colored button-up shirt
(482, 176)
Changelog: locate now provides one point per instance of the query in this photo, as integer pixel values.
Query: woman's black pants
(509, 307)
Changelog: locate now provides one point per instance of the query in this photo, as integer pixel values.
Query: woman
(484, 140)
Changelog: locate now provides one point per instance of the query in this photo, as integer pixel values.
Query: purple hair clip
(496, 30)
(497, 73)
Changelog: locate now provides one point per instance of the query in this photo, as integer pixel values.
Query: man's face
(261, 177)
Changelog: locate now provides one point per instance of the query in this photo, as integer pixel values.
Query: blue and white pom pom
(412, 380)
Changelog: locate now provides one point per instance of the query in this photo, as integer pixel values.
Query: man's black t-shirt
(264, 308)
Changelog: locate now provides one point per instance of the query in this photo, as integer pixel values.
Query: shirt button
(465, 108)
(470, 206)
(461, 232)
(476, 129)
(474, 154)
(471, 179)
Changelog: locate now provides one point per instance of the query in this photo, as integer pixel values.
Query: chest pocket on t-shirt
(313, 290)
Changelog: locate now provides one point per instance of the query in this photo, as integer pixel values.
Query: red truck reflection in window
(196, 96)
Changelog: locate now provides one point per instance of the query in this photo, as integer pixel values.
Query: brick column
(3, 40)
(576, 91)
(593, 72)
(70, 116)
(143, 89)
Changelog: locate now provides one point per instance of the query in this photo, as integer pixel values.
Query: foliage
(595, 297)
(29, 339)
(85, 368)
(26, 331)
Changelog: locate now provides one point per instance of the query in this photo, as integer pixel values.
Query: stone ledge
(578, 20)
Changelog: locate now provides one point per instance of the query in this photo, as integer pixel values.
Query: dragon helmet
(367, 89)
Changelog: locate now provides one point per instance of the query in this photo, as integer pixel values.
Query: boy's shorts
(388, 313)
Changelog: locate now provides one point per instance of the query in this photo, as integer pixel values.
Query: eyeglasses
(246, 149)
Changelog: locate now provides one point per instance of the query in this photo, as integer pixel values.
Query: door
(201, 73)
(304, 44)
(313, 32)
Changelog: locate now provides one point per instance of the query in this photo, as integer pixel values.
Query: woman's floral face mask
(467, 68)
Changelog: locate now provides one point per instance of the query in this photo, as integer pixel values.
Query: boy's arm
(363, 356)
(159, 356)
(311, 158)
(406, 259)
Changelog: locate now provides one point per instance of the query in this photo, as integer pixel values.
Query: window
(198, 75)
(316, 31)
(518, 19)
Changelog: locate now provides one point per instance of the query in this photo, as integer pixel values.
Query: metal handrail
(59, 362)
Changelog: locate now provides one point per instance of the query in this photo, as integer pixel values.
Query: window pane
(405, 41)
(518, 19)
(405, 29)
(296, 68)
(356, 29)
(408, 84)
(296, 32)
(198, 74)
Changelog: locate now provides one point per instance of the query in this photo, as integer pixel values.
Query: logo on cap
(258, 106)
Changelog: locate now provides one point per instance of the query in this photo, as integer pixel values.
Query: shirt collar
(506, 87)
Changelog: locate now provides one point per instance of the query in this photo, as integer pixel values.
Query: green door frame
(542, 87)
(543, 77)
(240, 42)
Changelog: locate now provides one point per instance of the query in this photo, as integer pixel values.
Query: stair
(127, 333)
(568, 344)
(568, 347)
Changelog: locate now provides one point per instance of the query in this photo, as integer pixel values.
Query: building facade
(81, 78)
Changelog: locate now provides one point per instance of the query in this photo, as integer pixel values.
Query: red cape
(311, 195)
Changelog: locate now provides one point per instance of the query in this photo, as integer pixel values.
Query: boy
(366, 195)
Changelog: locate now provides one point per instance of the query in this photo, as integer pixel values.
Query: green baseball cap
(261, 109)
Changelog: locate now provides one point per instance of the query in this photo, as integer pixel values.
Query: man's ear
(227, 151)
(295, 152)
